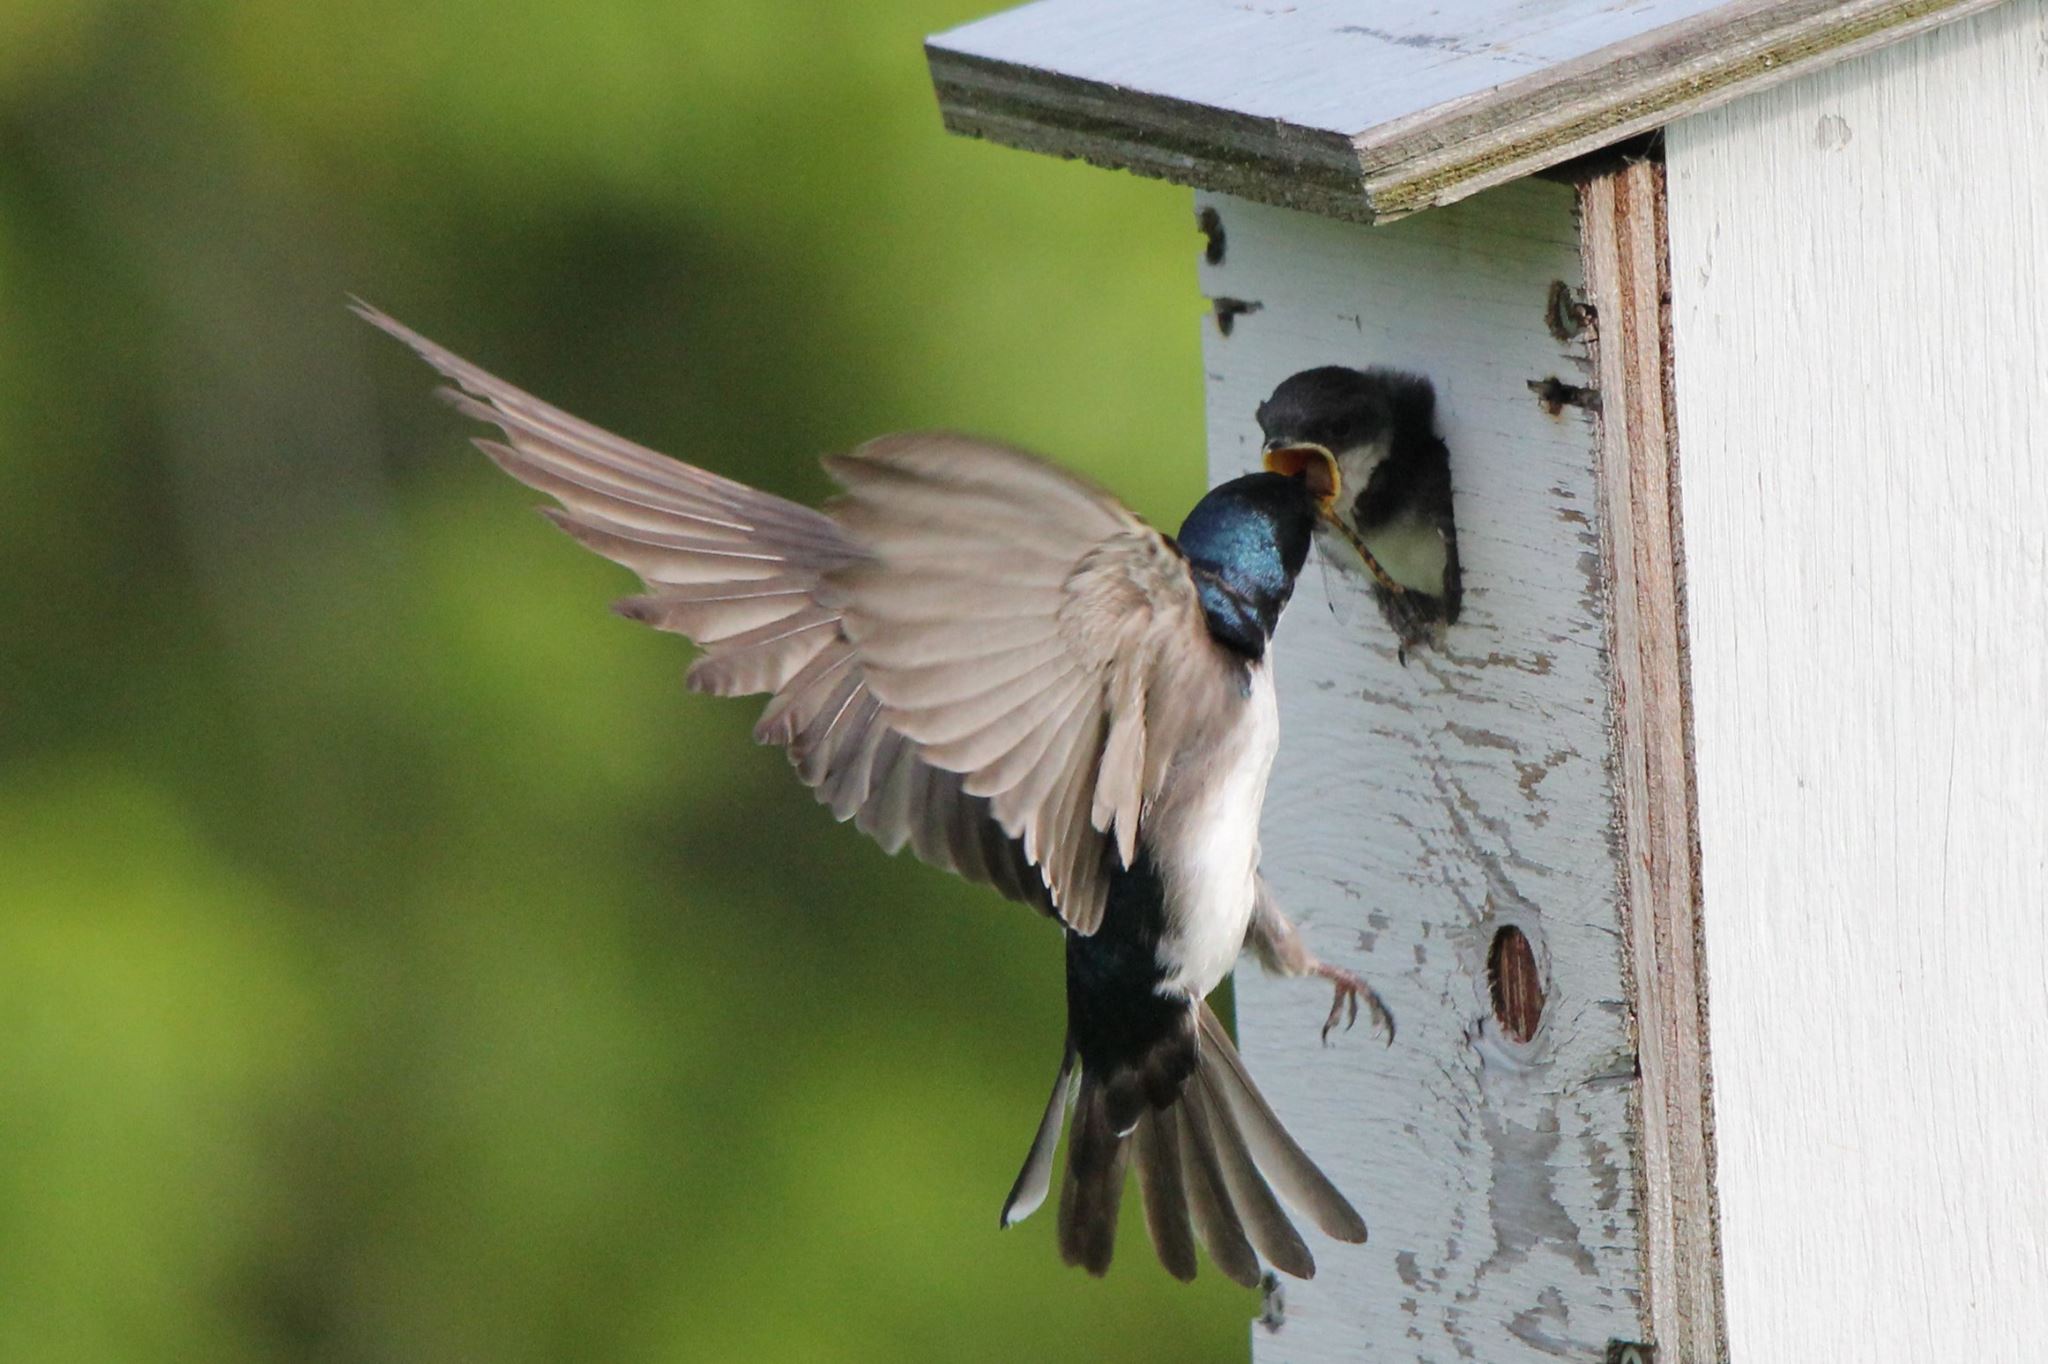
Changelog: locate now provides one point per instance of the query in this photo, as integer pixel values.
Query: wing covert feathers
(1017, 623)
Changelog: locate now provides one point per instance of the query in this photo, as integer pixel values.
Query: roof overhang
(1372, 109)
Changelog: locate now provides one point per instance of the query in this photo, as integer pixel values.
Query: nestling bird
(979, 656)
(1380, 426)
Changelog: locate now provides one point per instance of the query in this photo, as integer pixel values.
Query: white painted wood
(1368, 110)
(1413, 811)
(1860, 267)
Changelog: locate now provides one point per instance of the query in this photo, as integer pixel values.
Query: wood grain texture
(1369, 111)
(1622, 226)
(1860, 272)
(1416, 811)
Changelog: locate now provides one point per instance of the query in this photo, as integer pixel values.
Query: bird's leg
(1277, 944)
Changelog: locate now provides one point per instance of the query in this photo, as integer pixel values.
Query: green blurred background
(395, 964)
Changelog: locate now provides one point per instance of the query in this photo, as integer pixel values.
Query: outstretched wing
(1022, 627)
(961, 658)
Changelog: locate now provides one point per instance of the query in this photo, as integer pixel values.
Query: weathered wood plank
(1417, 811)
(1370, 111)
(1860, 271)
(1621, 216)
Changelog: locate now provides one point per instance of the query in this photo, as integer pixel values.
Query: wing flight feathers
(962, 653)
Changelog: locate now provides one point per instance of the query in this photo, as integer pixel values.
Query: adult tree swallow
(1380, 425)
(979, 656)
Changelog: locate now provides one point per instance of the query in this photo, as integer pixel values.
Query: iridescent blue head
(1245, 542)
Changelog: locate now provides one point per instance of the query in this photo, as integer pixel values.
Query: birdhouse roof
(1371, 109)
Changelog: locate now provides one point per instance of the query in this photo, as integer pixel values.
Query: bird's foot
(1351, 992)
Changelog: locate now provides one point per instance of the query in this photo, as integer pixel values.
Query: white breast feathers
(1210, 850)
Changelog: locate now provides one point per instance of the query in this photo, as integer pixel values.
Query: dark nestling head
(1341, 409)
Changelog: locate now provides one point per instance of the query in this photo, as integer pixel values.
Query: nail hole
(1563, 315)
(1517, 988)
(1211, 224)
(1554, 395)
(1228, 310)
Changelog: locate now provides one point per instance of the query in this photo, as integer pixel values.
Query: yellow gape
(1319, 467)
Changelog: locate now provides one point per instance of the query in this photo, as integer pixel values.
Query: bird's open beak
(1312, 463)
(1318, 468)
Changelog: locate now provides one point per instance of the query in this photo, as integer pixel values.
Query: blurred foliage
(394, 963)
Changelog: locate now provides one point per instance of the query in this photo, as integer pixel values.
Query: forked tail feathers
(1209, 1165)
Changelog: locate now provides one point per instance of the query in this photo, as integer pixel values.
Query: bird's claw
(1351, 991)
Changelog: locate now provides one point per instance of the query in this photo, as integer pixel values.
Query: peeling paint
(1530, 775)
(1606, 1172)
(1482, 738)
(1533, 1327)
(1523, 1205)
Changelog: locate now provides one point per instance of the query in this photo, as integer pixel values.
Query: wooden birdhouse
(1704, 860)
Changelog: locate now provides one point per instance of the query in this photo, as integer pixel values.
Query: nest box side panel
(1860, 298)
(1418, 812)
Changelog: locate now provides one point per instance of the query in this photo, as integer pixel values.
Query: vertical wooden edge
(1627, 269)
